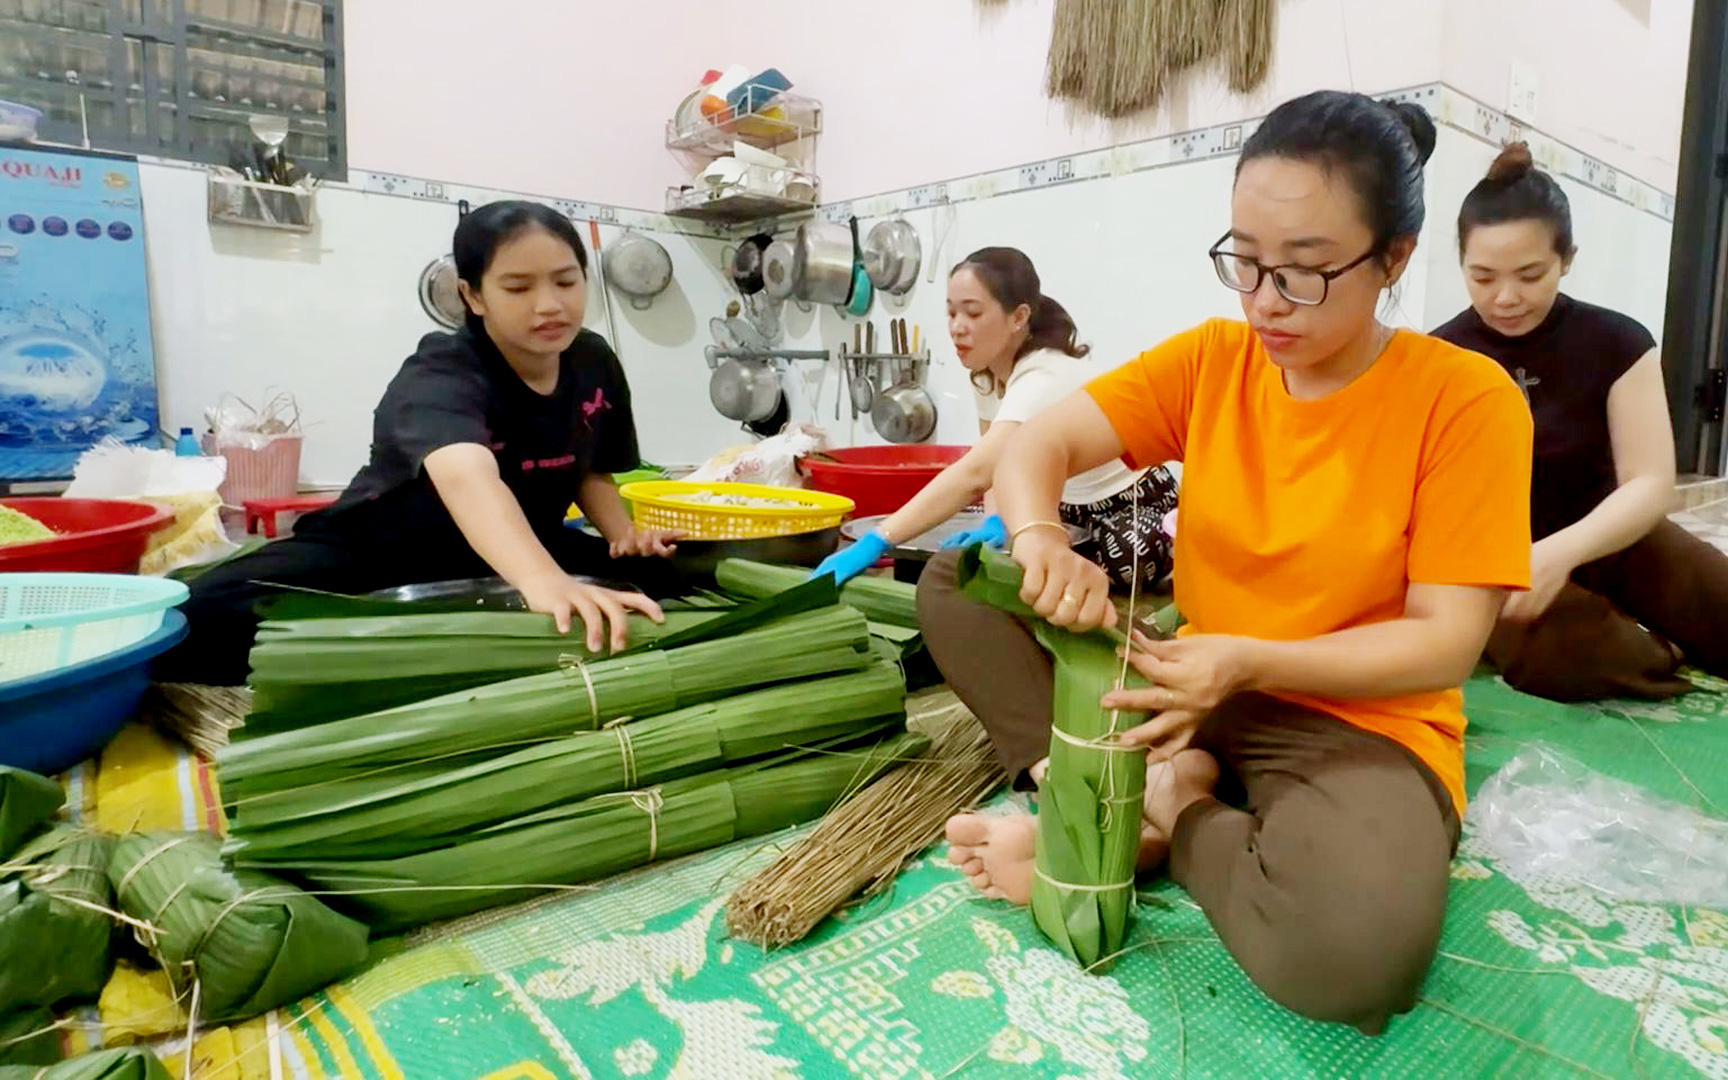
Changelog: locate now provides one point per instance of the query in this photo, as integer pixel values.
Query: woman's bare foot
(995, 852)
(1173, 785)
(1154, 848)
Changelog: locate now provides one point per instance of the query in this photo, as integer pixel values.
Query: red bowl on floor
(880, 479)
(97, 536)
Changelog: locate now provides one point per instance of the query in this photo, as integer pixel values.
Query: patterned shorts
(1130, 540)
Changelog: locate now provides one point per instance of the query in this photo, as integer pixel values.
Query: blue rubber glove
(992, 533)
(847, 564)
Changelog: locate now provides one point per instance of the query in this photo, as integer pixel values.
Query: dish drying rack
(787, 125)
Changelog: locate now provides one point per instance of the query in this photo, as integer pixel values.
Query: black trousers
(355, 554)
(1607, 633)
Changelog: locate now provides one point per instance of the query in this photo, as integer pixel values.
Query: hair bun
(1420, 125)
(1513, 164)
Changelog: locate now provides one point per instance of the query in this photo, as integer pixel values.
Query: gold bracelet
(1030, 525)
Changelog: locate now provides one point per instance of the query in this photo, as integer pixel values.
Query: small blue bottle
(187, 444)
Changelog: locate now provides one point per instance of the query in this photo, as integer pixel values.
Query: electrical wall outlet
(1521, 93)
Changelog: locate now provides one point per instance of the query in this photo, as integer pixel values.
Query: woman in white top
(1023, 352)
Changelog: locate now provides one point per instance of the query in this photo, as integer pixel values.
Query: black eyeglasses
(1302, 285)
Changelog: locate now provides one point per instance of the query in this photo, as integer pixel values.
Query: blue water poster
(76, 358)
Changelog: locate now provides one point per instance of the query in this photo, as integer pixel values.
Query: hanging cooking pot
(902, 239)
(747, 264)
(823, 263)
(905, 412)
(638, 267)
(780, 270)
(439, 296)
(745, 390)
(882, 255)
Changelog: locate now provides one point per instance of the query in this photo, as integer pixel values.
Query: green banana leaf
(252, 941)
(26, 801)
(383, 661)
(127, 1063)
(596, 837)
(508, 715)
(1089, 802)
(882, 599)
(55, 937)
(388, 816)
(28, 1038)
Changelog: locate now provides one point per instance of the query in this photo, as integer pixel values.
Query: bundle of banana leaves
(128, 1063)
(595, 837)
(381, 661)
(385, 815)
(882, 600)
(427, 738)
(26, 801)
(1089, 805)
(55, 927)
(248, 942)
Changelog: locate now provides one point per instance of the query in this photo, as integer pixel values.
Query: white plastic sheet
(1545, 814)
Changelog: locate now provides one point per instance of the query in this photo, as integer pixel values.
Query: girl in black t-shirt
(481, 442)
(1619, 594)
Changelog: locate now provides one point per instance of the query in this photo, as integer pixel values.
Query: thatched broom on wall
(1119, 57)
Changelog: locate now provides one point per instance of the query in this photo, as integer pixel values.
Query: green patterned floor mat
(638, 979)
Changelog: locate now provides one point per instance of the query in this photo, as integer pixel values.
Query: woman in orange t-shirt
(1354, 511)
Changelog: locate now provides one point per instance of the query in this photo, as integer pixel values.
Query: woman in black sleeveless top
(1620, 596)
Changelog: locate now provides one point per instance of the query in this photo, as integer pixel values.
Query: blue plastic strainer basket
(51, 621)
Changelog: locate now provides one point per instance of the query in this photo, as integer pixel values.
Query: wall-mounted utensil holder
(779, 359)
(257, 205)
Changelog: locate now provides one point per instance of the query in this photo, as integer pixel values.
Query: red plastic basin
(880, 479)
(98, 536)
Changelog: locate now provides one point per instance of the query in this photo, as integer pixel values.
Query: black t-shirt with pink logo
(457, 388)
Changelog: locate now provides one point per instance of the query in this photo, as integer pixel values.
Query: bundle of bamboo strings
(200, 716)
(862, 843)
(1119, 57)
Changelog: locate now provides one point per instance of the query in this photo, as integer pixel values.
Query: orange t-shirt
(1301, 518)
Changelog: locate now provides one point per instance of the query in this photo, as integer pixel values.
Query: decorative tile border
(1448, 107)
(411, 187)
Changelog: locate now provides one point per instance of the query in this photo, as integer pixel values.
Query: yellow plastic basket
(664, 504)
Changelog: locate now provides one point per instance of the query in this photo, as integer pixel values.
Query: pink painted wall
(1610, 74)
(572, 98)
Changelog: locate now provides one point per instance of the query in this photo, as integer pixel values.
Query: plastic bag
(189, 486)
(234, 422)
(1545, 815)
(772, 462)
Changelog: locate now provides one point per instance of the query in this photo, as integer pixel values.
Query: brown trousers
(1324, 859)
(1590, 645)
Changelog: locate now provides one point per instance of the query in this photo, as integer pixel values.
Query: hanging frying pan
(748, 264)
(438, 295)
(780, 270)
(638, 267)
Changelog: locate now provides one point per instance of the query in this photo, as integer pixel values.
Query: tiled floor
(1709, 522)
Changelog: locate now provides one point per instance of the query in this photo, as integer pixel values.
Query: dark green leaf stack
(386, 815)
(595, 837)
(471, 725)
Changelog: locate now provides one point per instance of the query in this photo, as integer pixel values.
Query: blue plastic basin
(48, 723)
